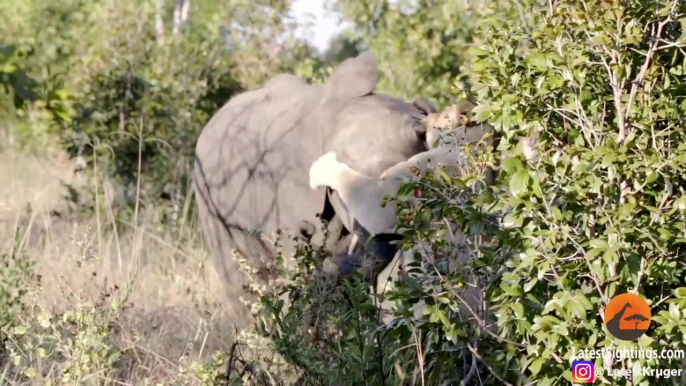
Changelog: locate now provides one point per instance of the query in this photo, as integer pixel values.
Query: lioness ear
(465, 108)
(424, 106)
(424, 113)
(353, 78)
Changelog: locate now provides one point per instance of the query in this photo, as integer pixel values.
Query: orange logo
(627, 316)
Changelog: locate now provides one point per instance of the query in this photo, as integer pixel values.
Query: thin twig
(420, 356)
(229, 368)
(472, 371)
(380, 348)
(490, 369)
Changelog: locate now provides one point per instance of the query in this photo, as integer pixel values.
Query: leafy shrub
(43, 346)
(140, 111)
(43, 101)
(143, 93)
(16, 273)
(326, 332)
(599, 212)
(419, 45)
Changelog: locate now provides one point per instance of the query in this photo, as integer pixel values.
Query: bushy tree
(599, 211)
(420, 45)
(144, 83)
(24, 96)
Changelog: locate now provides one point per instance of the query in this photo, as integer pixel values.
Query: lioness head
(455, 119)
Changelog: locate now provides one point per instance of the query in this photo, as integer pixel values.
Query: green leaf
(519, 182)
(652, 177)
(537, 60)
(30, 372)
(674, 312)
(530, 284)
(511, 290)
(444, 175)
(518, 310)
(536, 365)
(406, 192)
(680, 203)
(512, 165)
(444, 319)
(19, 330)
(598, 243)
(626, 210)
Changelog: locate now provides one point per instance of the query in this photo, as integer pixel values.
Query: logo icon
(583, 372)
(627, 317)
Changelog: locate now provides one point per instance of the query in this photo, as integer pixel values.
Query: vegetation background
(104, 278)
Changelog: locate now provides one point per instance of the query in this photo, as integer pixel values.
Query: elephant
(253, 156)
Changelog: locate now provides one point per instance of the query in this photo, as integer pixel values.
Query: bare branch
(159, 22)
(644, 69)
(181, 10)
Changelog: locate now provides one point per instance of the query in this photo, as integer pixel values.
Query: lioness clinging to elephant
(363, 194)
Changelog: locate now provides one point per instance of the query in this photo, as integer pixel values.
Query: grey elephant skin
(253, 157)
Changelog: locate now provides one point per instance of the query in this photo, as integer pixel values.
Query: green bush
(419, 45)
(43, 101)
(600, 211)
(16, 272)
(45, 347)
(142, 94)
(138, 112)
(327, 332)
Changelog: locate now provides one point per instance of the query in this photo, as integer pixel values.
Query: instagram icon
(583, 372)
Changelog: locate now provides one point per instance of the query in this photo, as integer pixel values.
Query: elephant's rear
(220, 248)
(249, 164)
(213, 178)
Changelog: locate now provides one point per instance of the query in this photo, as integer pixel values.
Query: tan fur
(452, 126)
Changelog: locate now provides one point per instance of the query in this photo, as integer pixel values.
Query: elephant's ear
(353, 78)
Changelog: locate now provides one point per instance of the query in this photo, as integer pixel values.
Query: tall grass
(131, 307)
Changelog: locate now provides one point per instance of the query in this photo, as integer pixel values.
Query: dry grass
(174, 316)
